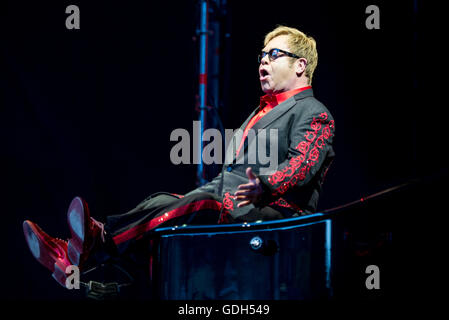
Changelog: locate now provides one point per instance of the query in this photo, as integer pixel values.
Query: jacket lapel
(236, 138)
(274, 114)
(271, 116)
(279, 110)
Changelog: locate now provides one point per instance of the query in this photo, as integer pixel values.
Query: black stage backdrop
(89, 112)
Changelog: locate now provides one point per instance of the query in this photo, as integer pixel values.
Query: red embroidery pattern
(227, 202)
(283, 203)
(228, 206)
(299, 166)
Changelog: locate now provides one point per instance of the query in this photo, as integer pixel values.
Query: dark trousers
(165, 209)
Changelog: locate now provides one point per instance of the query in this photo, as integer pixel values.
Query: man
(305, 131)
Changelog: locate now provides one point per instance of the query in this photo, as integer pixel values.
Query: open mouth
(263, 74)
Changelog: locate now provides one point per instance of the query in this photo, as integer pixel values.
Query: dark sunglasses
(274, 53)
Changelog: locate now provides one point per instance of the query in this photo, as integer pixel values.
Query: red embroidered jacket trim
(299, 167)
(281, 202)
(228, 206)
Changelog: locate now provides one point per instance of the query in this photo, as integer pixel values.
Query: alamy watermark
(373, 280)
(73, 20)
(373, 20)
(262, 147)
(73, 277)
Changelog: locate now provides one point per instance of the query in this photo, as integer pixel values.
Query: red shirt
(267, 103)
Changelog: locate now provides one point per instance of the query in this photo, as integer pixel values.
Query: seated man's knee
(204, 196)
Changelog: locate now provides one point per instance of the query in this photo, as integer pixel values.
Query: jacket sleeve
(310, 140)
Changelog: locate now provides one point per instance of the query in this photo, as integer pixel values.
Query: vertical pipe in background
(328, 256)
(202, 87)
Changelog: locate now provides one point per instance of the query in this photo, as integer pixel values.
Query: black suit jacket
(305, 132)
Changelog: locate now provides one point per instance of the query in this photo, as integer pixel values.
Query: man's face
(278, 75)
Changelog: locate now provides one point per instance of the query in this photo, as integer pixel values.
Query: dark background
(89, 112)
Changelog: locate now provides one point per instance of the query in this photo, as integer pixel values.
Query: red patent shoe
(87, 233)
(50, 252)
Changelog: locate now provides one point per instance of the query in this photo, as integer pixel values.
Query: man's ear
(301, 65)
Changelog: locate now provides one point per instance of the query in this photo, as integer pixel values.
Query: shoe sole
(49, 255)
(78, 218)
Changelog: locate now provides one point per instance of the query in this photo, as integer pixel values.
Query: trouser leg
(265, 214)
(162, 210)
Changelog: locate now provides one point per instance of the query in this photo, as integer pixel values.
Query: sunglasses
(275, 53)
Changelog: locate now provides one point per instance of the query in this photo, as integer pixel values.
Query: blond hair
(300, 44)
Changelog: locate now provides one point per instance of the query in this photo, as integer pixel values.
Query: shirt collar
(275, 99)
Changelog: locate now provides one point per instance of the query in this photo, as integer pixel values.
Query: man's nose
(265, 60)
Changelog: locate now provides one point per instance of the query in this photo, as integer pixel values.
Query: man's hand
(250, 192)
